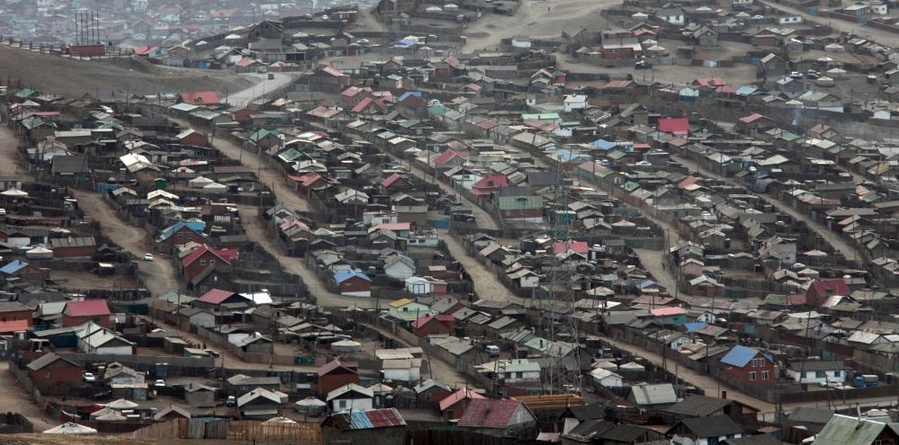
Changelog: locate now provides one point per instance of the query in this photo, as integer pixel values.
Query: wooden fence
(230, 430)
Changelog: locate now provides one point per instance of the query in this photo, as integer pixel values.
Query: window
(820, 374)
(428, 396)
(751, 376)
(46, 374)
(838, 373)
(758, 362)
(203, 262)
(341, 403)
(450, 414)
(212, 262)
(519, 375)
(764, 375)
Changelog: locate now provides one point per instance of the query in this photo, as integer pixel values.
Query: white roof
(349, 388)
(71, 428)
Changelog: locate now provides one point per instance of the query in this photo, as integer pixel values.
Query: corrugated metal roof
(366, 420)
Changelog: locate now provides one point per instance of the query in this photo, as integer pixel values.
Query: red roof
(751, 118)
(448, 155)
(200, 97)
(833, 286)
(216, 296)
(87, 308)
(365, 103)
(489, 413)
(390, 180)
(461, 394)
(144, 50)
(618, 84)
(709, 82)
(490, 182)
(674, 125)
(245, 62)
(688, 181)
(663, 311)
(226, 255)
(353, 90)
(577, 246)
(7, 327)
(423, 320)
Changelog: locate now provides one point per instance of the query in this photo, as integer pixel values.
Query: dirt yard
(111, 78)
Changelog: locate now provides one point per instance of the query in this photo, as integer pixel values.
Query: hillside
(74, 78)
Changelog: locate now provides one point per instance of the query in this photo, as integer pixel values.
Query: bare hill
(74, 78)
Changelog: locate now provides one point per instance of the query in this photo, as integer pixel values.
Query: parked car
(159, 383)
(88, 377)
(148, 257)
(796, 75)
(231, 401)
(212, 353)
(812, 74)
(642, 65)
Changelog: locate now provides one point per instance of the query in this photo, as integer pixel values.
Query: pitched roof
(489, 413)
(698, 406)
(846, 430)
(833, 286)
(226, 255)
(461, 394)
(661, 393)
(344, 275)
(45, 360)
(87, 308)
(714, 426)
(216, 296)
(423, 320)
(428, 384)
(11, 326)
(331, 366)
(739, 356)
(200, 97)
(365, 420)
(674, 125)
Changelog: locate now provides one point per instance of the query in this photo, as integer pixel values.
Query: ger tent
(71, 428)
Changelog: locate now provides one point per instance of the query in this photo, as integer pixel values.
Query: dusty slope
(74, 78)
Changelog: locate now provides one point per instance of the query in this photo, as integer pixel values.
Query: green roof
(262, 134)
(845, 430)
(520, 202)
(439, 110)
(540, 116)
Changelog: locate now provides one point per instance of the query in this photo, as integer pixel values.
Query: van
(492, 350)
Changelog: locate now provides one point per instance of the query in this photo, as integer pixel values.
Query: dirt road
(864, 32)
(536, 20)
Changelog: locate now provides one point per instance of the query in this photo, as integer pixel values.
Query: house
(519, 370)
(353, 282)
(374, 427)
(703, 406)
(499, 418)
(425, 285)
(817, 371)
(192, 138)
(181, 232)
(241, 384)
(22, 270)
(673, 16)
(573, 102)
(841, 429)
(608, 432)
(16, 311)
(430, 392)
(821, 290)
(196, 262)
(80, 312)
(677, 126)
(454, 405)
(704, 431)
(261, 403)
(199, 98)
(119, 374)
(406, 370)
(606, 378)
(434, 325)
(748, 365)
(201, 396)
(217, 299)
(350, 397)
(73, 246)
(335, 374)
(52, 374)
(755, 124)
(399, 267)
(95, 339)
(407, 310)
(656, 396)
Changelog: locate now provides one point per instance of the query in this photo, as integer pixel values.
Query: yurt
(836, 73)
(825, 81)
(39, 253)
(834, 48)
(310, 406)
(346, 347)
(71, 428)
(199, 182)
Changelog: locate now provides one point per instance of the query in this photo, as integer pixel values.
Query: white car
(758, 17)
(148, 257)
(159, 383)
(88, 377)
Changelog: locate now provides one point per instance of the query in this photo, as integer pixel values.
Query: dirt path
(14, 397)
(537, 20)
(486, 284)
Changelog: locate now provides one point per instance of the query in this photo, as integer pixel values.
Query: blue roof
(344, 275)
(13, 267)
(604, 144)
(406, 95)
(693, 327)
(196, 226)
(739, 356)
(746, 90)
